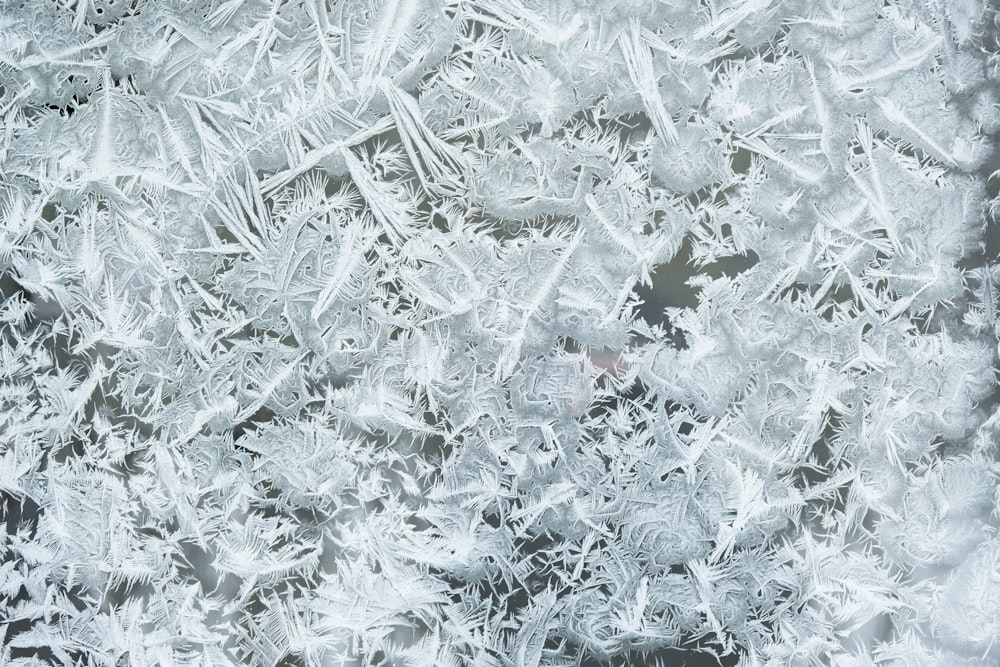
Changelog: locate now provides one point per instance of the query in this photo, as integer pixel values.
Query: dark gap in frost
(822, 450)
(669, 286)
(73, 447)
(264, 415)
(42, 654)
(638, 393)
(124, 590)
(741, 160)
(667, 656)
(731, 265)
(701, 197)
(197, 563)
(840, 296)
(43, 310)
(18, 512)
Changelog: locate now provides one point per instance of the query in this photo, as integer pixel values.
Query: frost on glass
(499, 333)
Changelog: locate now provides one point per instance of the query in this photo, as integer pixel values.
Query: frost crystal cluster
(497, 333)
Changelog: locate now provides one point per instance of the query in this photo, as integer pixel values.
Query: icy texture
(495, 334)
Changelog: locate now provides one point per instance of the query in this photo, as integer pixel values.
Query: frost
(488, 332)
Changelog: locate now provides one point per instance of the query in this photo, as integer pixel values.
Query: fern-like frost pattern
(499, 333)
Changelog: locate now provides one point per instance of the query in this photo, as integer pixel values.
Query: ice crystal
(494, 333)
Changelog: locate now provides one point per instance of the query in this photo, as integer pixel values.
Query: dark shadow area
(18, 512)
(665, 657)
(670, 286)
(264, 415)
